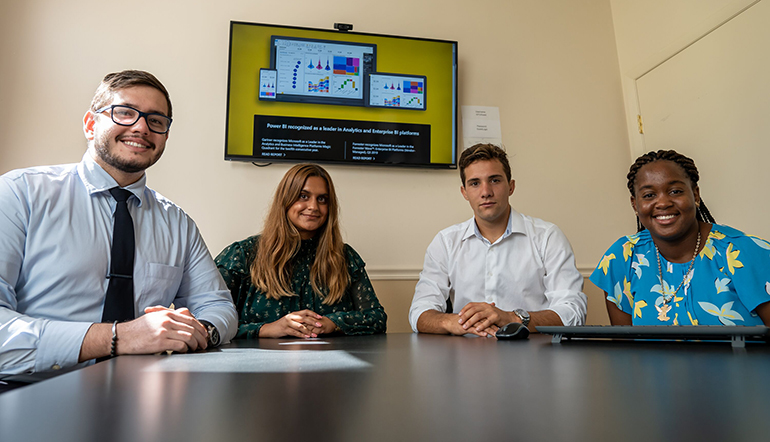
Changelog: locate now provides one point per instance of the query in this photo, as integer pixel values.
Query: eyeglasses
(128, 116)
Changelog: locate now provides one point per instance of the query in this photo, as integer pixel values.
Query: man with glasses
(95, 264)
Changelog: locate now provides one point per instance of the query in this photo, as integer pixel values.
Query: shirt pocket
(159, 285)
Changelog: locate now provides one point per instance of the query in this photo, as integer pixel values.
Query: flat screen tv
(312, 95)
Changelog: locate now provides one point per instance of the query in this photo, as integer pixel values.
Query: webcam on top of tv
(343, 27)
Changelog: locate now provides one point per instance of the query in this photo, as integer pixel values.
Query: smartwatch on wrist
(523, 315)
(213, 334)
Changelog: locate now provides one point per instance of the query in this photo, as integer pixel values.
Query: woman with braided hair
(681, 268)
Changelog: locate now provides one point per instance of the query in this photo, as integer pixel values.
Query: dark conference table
(401, 387)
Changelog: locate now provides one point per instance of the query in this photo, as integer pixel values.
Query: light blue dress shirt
(55, 238)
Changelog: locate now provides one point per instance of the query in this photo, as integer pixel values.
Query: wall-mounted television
(299, 94)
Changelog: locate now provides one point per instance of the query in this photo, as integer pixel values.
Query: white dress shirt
(55, 239)
(531, 266)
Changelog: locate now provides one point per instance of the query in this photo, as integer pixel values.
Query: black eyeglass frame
(141, 114)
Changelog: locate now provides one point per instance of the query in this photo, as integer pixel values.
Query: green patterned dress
(358, 312)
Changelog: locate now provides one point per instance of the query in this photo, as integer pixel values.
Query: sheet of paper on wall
(481, 124)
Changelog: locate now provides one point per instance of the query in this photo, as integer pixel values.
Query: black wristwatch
(213, 334)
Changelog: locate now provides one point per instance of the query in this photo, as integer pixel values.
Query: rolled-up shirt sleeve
(432, 290)
(563, 282)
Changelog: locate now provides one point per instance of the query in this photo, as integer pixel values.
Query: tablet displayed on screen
(267, 87)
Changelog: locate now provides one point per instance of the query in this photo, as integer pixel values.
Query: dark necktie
(119, 303)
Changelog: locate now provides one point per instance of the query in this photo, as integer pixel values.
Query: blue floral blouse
(729, 279)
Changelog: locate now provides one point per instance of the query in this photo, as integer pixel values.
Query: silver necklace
(668, 298)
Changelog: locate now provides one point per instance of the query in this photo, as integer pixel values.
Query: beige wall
(650, 32)
(550, 65)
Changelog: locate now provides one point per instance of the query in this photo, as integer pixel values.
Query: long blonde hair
(280, 242)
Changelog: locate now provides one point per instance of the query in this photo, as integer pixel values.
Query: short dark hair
(124, 79)
(484, 152)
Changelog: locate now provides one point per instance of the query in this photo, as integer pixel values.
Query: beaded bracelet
(114, 345)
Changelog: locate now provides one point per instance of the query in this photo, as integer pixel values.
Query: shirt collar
(97, 180)
(515, 225)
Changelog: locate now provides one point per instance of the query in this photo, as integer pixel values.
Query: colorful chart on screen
(397, 91)
(318, 71)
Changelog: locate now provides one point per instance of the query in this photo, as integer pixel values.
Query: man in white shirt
(498, 267)
(56, 232)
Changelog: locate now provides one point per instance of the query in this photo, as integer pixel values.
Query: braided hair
(687, 164)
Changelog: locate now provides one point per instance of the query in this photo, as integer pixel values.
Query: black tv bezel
(267, 161)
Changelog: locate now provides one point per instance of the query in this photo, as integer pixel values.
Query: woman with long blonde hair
(298, 278)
